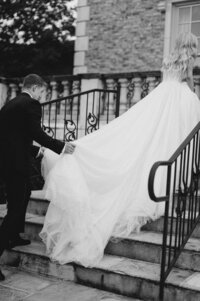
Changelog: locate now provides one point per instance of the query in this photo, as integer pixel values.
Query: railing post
(75, 89)
(123, 95)
(54, 92)
(152, 83)
(164, 244)
(117, 102)
(66, 87)
(66, 92)
(110, 96)
(137, 89)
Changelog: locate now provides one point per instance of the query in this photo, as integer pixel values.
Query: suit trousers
(18, 194)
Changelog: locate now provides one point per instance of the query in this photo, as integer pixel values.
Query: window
(189, 20)
(186, 18)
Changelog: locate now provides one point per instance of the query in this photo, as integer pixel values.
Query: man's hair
(33, 80)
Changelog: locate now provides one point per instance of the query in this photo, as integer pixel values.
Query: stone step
(37, 209)
(37, 203)
(34, 223)
(38, 198)
(21, 285)
(158, 226)
(124, 276)
(145, 245)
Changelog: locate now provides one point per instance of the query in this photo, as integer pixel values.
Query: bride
(101, 190)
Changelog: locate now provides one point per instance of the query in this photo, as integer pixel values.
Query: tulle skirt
(101, 190)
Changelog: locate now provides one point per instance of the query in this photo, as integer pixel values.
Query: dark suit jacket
(20, 124)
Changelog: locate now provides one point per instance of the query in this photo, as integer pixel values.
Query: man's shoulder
(27, 100)
(21, 98)
(22, 102)
(25, 96)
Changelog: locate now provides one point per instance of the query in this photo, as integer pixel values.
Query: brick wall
(124, 36)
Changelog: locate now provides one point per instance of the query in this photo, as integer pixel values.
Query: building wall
(120, 36)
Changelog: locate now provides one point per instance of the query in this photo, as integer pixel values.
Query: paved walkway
(20, 286)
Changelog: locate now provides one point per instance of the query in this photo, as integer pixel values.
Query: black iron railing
(182, 200)
(76, 115)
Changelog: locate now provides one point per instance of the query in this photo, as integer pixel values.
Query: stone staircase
(130, 268)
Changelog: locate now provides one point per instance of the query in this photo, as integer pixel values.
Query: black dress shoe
(2, 277)
(18, 242)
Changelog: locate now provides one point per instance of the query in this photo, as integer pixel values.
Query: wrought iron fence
(76, 115)
(182, 200)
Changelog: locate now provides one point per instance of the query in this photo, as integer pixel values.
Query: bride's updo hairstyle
(183, 56)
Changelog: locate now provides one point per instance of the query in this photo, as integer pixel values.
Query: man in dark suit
(20, 124)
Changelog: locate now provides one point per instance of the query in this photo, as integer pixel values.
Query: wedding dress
(101, 190)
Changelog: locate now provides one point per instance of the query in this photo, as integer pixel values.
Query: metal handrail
(97, 103)
(168, 163)
(77, 95)
(181, 199)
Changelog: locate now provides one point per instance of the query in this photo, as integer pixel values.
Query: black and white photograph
(100, 150)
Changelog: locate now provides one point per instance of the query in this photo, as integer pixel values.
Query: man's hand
(68, 148)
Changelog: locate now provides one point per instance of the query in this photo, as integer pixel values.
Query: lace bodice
(172, 75)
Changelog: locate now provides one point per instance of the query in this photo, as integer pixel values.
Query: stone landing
(23, 286)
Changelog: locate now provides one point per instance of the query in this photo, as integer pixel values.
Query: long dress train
(101, 190)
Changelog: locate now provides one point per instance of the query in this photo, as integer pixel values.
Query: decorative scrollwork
(71, 130)
(130, 93)
(145, 88)
(185, 192)
(92, 120)
(48, 130)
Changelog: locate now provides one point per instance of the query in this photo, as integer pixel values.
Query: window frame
(171, 23)
(175, 20)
